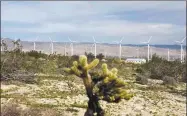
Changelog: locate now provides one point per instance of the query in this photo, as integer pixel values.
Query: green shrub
(141, 79)
(159, 67)
(100, 56)
(36, 54)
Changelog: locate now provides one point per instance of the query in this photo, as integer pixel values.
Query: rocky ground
(67, 96)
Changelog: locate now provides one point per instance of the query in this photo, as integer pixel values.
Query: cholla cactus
(103, 85)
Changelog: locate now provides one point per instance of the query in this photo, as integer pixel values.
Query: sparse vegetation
(37, 82)
(158, 68)
(141, 79)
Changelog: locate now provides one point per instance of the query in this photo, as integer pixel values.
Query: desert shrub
(64, 61)
(100, 56)
(21, 76)
(36, 54)
(31, 112)
(169, 80)
(116, 61)
(75, 57)
(90, 56)
(184, 78)
(49, 67)
(139, 70)
(159, 67)
(141, 79)
(10, 110)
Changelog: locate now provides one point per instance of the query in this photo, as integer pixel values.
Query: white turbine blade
(121, 39)
(69, 39)
(144, 42)
(149, 39)
(94, 39)
(50, 39)
(74, 41)
(116, 42)
(183, 40)
(177, 41)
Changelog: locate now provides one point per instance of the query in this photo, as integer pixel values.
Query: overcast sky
(107, 21)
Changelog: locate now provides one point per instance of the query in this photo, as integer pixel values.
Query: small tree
(104, 85)
(100, 56)
(90, 55)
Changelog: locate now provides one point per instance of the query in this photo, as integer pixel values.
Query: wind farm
(96, 58)
(116, 49)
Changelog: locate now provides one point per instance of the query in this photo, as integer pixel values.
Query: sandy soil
(145, 103)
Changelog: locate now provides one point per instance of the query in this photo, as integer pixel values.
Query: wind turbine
(147, 47)
(52, 47)
(35, 43)
(138, 52)
(119, 46)
(168, 55)
(181, 43)
(95, 47)
(71, 45)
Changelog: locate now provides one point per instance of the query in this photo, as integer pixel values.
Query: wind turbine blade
(74, 41)
(116, 42)
(149, 39)
(177, 41)
(144, 42)
(69, 39)
(50, 39)
(183, 40)
(93, 38)
(121, 39)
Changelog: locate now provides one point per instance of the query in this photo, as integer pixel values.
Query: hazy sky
(107, 21)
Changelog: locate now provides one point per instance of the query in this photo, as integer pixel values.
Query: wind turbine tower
(95, 47)
(52, 47)
(168, 55)
(71, 45)
(138, 54)
(148, 47)
(119, 46)
(35, 43)
(181, 43)
(65, 50)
